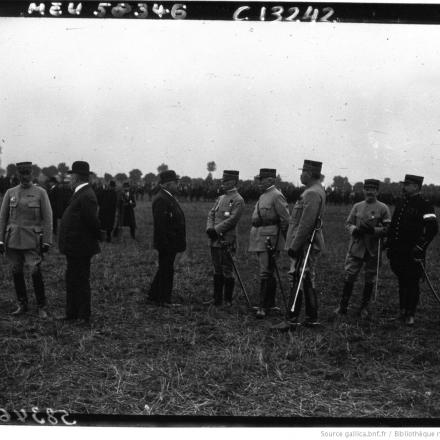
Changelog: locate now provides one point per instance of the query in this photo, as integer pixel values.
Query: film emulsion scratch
(236, 11)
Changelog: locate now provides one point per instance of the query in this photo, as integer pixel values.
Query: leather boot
(228, 290)
(293, 317)
(261, 310)
(346, 294)
(20, 290)
(37, 281)
(366, 296)
(218, 290)
(270, 294)
(311, 301)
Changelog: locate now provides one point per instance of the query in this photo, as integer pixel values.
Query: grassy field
(198, 360)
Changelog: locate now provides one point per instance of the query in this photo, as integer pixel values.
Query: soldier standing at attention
(269, 225)
(303, 220)
(222, 230)
(25, 234)
(413, 226)
(367, 223)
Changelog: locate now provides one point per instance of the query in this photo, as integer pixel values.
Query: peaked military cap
(80, 167)
(230, 175)
(267, 172)
(24, 167)
(312, 166)
(371, 183)
(167, 176)
(410, 178)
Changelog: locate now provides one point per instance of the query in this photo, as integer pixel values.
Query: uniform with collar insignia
(413, 226)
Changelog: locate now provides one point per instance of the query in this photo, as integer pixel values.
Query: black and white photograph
(219, 214)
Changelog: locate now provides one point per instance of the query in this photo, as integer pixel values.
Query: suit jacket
(272, 214)
(169, 223)
(107, 208)
(79, 232)
(305, 212)
(376, 215)
(224, 216)
(24, 215)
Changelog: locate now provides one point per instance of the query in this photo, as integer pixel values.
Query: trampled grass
(199, 360)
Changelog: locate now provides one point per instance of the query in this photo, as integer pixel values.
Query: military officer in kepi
(413, 226)
(367, 224)
(306, 216)
(221, 228)
(270, 220)
(25, 234)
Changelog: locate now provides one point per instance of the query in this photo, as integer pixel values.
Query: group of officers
(26, 235)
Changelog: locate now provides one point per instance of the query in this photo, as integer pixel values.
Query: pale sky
(123, 94)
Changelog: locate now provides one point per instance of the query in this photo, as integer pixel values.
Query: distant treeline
(339, 191)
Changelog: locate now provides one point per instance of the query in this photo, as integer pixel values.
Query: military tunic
(306, 211)
(224, 217)
(270, 220)
(363, 249)
(25, 214)
(414, 224)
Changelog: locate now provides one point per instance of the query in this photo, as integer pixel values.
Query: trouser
(162, 284)
(223, 274)
(353, 266)
(267, 279)
(18, 259)
(78, 292)
(308, 287)
(408, 274)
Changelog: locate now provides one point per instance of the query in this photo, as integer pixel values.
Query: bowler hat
(24, 167)
(168, 176)
(312, 166)
(267, 172)
(230, 175)
(80, 167)
(410, 178)
(371, 183)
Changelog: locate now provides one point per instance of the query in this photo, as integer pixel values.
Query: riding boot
(20, 290)
(293, 317)
(261, 311)
(228, 290)
(366, 296)
(218, 290)
(346, 294)
(311, 301)
(270, 294)
(37, 280)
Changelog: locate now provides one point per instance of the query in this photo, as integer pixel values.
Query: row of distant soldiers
(405, 236)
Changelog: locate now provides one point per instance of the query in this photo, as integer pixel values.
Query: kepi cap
(267, 172)
(371, 183)
(411, 178)
(24, 167)
(312, 166)
(230, 175)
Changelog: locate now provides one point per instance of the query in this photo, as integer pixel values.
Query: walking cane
(225, 247)
(271, 252)
(379, 254)
(431, 287)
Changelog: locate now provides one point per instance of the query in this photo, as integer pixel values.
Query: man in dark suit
(169, 236)
(79, 234)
